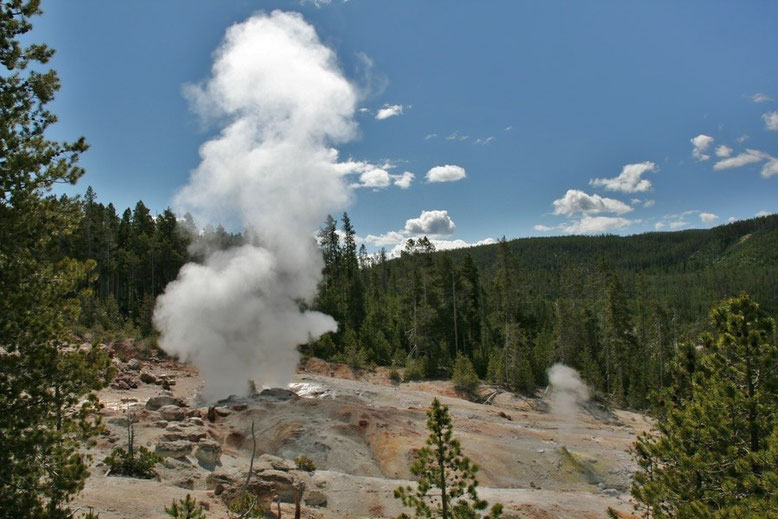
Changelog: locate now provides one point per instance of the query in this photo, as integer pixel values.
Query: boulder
(158, 401)
(174, 449)
(172, 413)
(134, 364)
(270, 462)
(315, 498)
(148, 378)
(208, 452)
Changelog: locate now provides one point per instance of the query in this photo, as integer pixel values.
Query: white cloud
(732, 219)
(430, 222)
(596, 224)
(771, 120)
(404, 181)
(678, 224)
(543, 228)
(770, 168)
(483, 141)
(576, 201)
(708, 217)
(389, 111)
(447, 173)
(382, 240)
(444, 245)
(723, 151)
(456, 136)
(375, 178)
(743, 138)
(629, 180)
(649, 203)
(762, 213)
(430, 136)
(701, 143)
(659, 226)
(761, 98)
(747, 157)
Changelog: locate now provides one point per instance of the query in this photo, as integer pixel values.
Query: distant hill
(689, 269)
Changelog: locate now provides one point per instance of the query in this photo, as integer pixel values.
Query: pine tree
(440, 464)
(45, 382)
(714, 454)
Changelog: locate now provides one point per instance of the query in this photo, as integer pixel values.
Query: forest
(615, 308)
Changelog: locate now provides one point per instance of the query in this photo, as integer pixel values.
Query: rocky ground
(361, 431)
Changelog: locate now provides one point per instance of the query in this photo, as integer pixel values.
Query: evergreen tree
(714, 451)
(440, 464)
(45, 410)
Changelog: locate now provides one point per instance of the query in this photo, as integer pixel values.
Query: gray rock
(134, 364)
(174, 449)
(315, 498)
(172, 413)
(208, 452)
(158, 401)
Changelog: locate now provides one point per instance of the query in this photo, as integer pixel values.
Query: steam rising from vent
(282, 102)
(567, 391)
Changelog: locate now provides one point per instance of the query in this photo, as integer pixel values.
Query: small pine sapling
(441, 465)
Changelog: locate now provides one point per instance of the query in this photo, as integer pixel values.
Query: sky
(474, 120)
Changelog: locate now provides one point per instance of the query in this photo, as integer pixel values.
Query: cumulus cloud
(576, 201)
(404, 180)
(649, 203)
(761, 98)
(723, 151)
(659, 226)
(742, 159)
(383, 240)
(282, 102)
(708, 217)
(447, 173)
(430, 223)
(389, 111)
(596, 224)
(543, 228)
(762, 213)
(700, 144)
(375, 178)
(629, 180)
(771, 120)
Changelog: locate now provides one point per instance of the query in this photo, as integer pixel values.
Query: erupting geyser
(282, 102)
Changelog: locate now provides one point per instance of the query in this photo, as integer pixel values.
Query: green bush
(414, 369)
(464, 376)
(247, 505)
(394, 376)
(303, 462)
(186, 508)
(138, 464)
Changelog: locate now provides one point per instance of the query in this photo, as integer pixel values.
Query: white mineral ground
(362, 435)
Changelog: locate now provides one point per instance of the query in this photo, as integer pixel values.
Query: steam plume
(567, 391)
(282, 102)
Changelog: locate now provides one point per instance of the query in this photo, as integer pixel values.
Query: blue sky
(534, 101)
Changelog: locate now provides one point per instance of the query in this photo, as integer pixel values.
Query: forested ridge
(612, 307)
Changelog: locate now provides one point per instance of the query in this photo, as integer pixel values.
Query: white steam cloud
(567, 391)
(282, 103)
